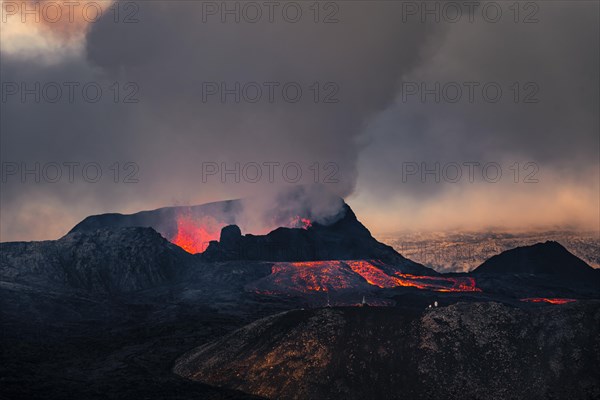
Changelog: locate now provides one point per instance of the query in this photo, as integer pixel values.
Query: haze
(365, 127)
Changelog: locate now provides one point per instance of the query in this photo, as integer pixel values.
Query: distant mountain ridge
(463, 251)
(541, 258)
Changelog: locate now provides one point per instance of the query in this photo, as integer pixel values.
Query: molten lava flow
(373, 275)
(438, 283)
(324, 276)
(310, 276)
(194, 234)
(377, 277)
(299, 222)
(548, 300)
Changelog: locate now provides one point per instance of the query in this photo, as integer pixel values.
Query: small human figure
(364, 302)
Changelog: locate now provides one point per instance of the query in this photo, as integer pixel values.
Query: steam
(557, 133)
(171, 133)
(261, 214)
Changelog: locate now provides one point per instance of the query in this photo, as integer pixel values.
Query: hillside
(334, 353)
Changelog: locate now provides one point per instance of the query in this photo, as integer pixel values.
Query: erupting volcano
(194, 235)
(324, 299)
(299, 222)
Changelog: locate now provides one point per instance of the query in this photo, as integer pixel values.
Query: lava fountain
(193, 234)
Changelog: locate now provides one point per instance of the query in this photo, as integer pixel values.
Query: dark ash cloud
(368, 55)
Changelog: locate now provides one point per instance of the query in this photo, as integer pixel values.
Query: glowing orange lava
(299, 222)
(373, 275)
(377, 277)
(548, 300)
(324, 276)
(194, 234)
(311, 276)
(439, 284)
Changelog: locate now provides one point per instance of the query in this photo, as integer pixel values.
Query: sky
(421, 115)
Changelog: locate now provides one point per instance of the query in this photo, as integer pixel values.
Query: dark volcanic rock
(464, 351)
(487, 350)
(542, 258)
(104, 311)
(105, 260)
(542, 270)
(345, 239)
(231, 236)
